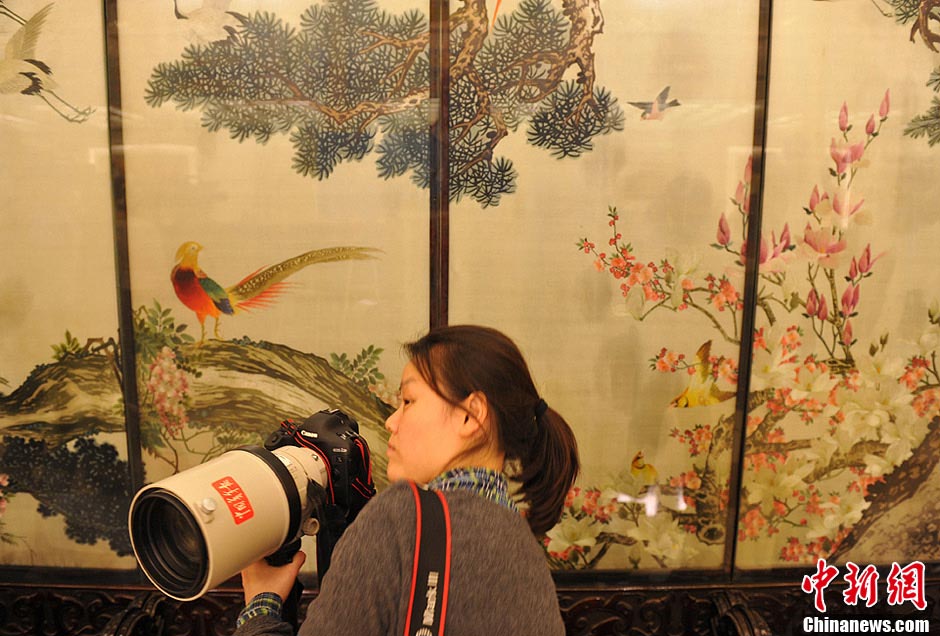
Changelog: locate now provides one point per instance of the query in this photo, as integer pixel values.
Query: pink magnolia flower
(812, 303)
(847, 333)
(739, 193)
(850, 299)
(844, 210)
(885, 105)
(773, 254)
(815, 198)
(844, 117)
(845, 155)
(870, 126)
(823, 244)
(865, 261)
(724, 231)
(823, 312)
(853, 269)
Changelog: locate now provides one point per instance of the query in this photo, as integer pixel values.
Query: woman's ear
(477, 412)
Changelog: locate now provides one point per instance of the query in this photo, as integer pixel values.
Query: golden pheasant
(207, 298)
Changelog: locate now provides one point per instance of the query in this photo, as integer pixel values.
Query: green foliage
(904, 10)
(567, 131)
(926, 124)
(363, 368)
(155, 328)
(70, 347)
(83, 481)
(353, 79)
(270, 78)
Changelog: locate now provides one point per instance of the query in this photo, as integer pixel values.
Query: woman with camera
(470, 419)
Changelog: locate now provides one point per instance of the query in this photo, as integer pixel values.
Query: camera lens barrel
(197, 528)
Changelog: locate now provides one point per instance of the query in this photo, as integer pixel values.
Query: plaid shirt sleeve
(264, 604)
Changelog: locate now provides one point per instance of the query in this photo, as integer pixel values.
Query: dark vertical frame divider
(751, 272)
(128, 362)
(439, 11)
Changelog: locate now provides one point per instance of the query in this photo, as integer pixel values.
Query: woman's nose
(391, 423)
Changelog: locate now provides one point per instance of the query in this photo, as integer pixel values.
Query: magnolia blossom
(774, 254)
(815, 198)
(885, 104)
(823, 245)
(664, 539)
(773, 366)
(844, 513)
(724, 231)
(845, 155)
(844, 209)
(850, 299)
(844, 117)
(865, 261)
(870, 126)
(776, 482)
(571, 533)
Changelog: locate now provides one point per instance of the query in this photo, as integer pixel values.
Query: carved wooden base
(738, 610)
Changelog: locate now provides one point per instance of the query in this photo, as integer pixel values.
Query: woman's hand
(261, 577)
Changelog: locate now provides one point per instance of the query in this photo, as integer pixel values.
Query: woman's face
(425, 431)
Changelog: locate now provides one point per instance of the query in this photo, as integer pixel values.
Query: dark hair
(458, 360)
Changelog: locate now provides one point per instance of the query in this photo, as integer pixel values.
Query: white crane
(21, 73)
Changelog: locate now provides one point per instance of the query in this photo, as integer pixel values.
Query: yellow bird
(702, 390)
(640, 469)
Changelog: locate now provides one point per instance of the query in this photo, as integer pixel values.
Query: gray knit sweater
(500, 582)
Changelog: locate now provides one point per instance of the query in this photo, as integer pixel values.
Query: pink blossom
(748, 168)
(815, 198)
(823, 312)
(844, 117)
(812, 303)
(865, 261)
(885, 104)
(772, 254)
(870, 126)
(724, 231)
(844, 209)
(850, 299)
(739, 193)
(853, 269)
(845, 154)
(847, 333)
(823, 244)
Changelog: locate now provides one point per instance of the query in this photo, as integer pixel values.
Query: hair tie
(540, 408)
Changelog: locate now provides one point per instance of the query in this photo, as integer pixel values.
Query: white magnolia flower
(765, 484)
(664, 539)
(846, 513)
(771, 369)
(821, 450)
(571, 532)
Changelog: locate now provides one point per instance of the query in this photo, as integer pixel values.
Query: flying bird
(640, 469)
(656, 109)
(207, 298)
(21, 72)
(210, 22)
(702, 390)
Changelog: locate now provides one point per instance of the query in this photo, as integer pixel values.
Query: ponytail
(538, 444)
(548, 468)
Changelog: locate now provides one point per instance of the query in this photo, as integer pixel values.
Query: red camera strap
(430, 580)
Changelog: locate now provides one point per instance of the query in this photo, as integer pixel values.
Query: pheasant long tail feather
(262, 287)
